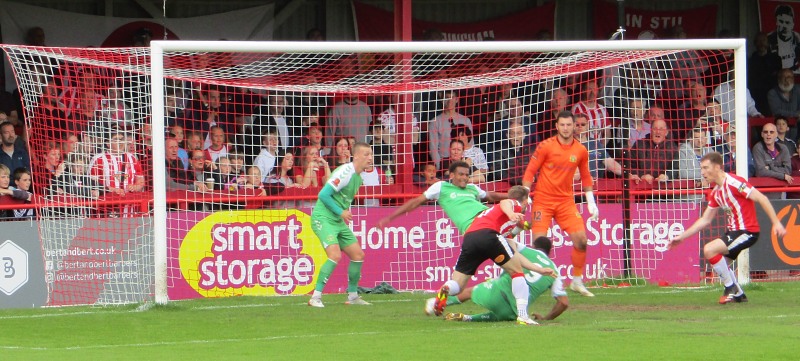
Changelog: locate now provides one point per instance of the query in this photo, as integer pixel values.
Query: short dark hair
(543, 244)
(784, 9)
(713, 157)
(458, 164)
(565, 114)
(5, 123)
(461, 128)
(19, 172)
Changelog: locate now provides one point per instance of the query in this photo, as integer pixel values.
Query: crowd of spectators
(653, 125)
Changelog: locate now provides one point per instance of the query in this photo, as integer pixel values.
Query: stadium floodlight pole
(159, 174)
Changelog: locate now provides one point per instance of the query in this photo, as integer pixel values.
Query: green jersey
(345, 182)
(460, 204)
(537, 283)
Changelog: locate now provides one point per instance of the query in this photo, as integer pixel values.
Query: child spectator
(74, 180)
(427, 176)
(7, 190)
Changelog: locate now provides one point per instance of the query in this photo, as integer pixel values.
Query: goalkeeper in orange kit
(555, 160)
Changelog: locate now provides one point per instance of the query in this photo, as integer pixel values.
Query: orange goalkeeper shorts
(565, 213)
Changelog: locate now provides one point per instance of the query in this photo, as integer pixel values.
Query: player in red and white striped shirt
(737, 198)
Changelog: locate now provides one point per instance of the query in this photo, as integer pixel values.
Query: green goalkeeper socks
(325, 273)
(354, 275)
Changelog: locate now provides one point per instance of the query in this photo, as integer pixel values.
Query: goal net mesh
(251, 137)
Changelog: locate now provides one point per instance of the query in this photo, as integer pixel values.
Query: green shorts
(332, 233)
(489, 296)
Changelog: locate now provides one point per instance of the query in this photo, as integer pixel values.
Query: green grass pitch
(637, 323)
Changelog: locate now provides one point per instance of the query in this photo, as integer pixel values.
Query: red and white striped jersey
(597, 116)
(117, 171)
(732, 197)
(493, 218)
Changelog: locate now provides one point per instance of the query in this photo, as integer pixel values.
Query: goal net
(190, 169)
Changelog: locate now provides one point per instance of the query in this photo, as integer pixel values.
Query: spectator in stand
(74, 181)
(117, 169)
(381, 151)
(219, 146)
(284, 172)
(50, 114)
(689, 154)
(728, 150)
(724, 95)
(350, 117)
(599, 160)
(314, 138)
(173, 114)
(782, 126)
(784, 41)
(314, 169)
(206, 112)
(13, 155)
(23, 182)
(441, 127)
(272, 116)
(267, 158)
(652, 158)
(253, 181)
(772, 159)
(559, 102)
(457, 155)
(341, 153)
(388, 119)
(224, 179)
(632, 127)
(199, 167)
(179, 178)
(176, 132)
(599, 124)
(511, 111)
(690, 111)
(473, 155)
(237, 164)
(784, 99)
(7, 190)
(427, 176)
(52, 161)
(795, 162)
(194, 141)
(762, 72)
(514, 155)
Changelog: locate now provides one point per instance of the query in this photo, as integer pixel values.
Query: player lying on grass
(483, 241)
(737, 198)
(495, 295)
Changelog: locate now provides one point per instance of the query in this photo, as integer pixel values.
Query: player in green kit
(459, 199)
(496, 295)
(330, 219)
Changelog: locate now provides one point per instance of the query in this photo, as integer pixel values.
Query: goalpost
(251, 236)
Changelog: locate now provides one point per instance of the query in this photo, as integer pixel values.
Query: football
(429, 306)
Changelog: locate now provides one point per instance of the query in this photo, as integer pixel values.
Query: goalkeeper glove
(592, 206)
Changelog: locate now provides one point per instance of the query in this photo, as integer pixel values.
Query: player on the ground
(329, 221)
(483, 241)
(495, 295)
(556, 160)
(737, 198)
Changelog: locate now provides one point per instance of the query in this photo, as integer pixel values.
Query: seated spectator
(267, 158)
(724, 95)
(547, 120)
(599, 123)
(313, 170)
(599, 161)
(441, 127)
(314, 137)
(253, 181)
(237, 165)
(219, 146)
(427, 175)
(633, 126)
(690, 111)
(7, 190)
(652, 158)
(52, 161)
(457, 155)
(198, 167)
(176, 131)
(13, 155)
(511, 111)
(381, 151)
(74, 181)
(388, 120)
(784, 99)
(473, 155)
(224, 179)
(194, 140)
(284, 172)
(772, 159)
(728, 150)
(22, 181)
(341, 153)
(782, 126)
(514, 155)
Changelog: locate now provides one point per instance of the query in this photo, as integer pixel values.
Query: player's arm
(586, 182)
(758, 197)
(699, 224)
(507, 206)
(493, 197)
(326, 196)
(528, 265)
(562, 302)
(405, 208)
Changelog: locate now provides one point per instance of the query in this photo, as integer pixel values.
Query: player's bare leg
(578, 257)
(715, 252)
(356, 255)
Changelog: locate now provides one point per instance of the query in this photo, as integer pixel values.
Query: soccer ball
(429, 306)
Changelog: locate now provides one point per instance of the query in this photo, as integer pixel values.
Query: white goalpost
(233, 141)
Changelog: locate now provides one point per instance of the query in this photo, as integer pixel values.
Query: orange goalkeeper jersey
(556, 164)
